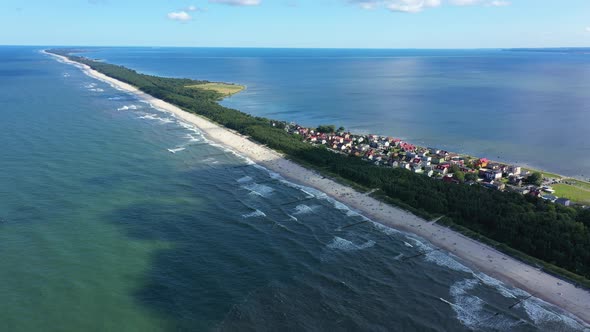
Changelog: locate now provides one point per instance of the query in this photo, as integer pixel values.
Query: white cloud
(237, 2)
(465, 2)
(181, 16)
(587, 29)
(499, 3)
(192, 9)
(415, 6)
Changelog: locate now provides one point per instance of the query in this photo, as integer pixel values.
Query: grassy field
(223, 88)
(573, 192)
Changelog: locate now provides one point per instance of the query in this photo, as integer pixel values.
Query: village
(432, 162)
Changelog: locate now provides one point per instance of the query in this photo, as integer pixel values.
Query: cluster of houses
(432, 162)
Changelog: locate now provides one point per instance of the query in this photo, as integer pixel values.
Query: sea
(117, 216)
(523, 107)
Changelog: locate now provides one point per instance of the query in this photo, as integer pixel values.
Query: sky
(297, 23)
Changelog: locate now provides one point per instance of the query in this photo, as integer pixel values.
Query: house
(437, 160)
(519, 190)
(489, 174)
(442, 169)
(516, 180)
(513, 170)
(563, 201)
(481, 163)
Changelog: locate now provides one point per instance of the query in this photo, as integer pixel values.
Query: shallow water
(116, 216)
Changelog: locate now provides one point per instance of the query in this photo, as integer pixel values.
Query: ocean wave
(467, 307)
(127, 108)
(155, 117)
(305, 209)
(345, 245)
(245, 179)
(259, 189)
(542, 314)
(385, 229)
(192, 138)
(499, 286)
(176, 150)
(254, 214)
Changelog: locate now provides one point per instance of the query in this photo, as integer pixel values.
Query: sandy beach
(472, 253)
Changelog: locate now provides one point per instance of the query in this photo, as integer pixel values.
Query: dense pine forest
(556, 235)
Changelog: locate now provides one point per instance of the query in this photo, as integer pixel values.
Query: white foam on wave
(192, 138)
(96, 90)
(467, 307)
(176, 150)
(345, 245)
(254, 214)
(148, 117)
(445, 260)
(115, 98)
(541, 313)
(245, 179)
(499, 286)
(155, 117)
(385, 229)
(302, 209)
(127, 108)
(259, 189)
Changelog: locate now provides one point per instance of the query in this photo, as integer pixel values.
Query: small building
(514, 170)
(563, 201)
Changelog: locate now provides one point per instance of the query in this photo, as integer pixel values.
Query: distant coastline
(485, 258)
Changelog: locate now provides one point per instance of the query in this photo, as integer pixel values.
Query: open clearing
(225, 89)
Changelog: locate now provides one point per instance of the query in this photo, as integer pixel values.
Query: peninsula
(530, 228)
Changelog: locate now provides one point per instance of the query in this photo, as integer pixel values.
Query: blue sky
(298, 23)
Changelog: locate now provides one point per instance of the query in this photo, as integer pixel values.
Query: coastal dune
(478, 255)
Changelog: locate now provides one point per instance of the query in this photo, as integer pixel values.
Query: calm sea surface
(530, 108)
(115, 216)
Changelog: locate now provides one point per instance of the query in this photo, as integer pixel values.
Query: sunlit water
(115, 216)
(530, 108)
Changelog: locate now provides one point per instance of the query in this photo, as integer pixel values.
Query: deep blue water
(531, 108)
(103, 228)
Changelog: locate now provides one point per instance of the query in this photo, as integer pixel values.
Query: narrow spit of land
(476, 254)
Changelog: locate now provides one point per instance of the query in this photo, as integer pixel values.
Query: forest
(524, 226)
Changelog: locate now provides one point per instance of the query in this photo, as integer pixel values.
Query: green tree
(326, 129)
(459, 176)
(471, 177)
(535, 178)
(341, 129)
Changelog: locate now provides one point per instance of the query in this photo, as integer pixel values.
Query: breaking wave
(345, 245)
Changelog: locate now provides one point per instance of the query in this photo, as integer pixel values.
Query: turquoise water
(115, 216)
(530, 108)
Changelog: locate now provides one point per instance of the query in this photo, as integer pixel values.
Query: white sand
(473, 253)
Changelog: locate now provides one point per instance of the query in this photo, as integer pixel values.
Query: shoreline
(475, 254)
